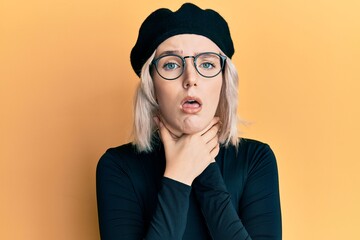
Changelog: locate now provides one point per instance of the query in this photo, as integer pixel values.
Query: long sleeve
(260, 203)
(121, 214)
(215, 202)
(169, 221)
(259, 214)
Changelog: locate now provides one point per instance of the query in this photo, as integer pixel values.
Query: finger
(212, 143)
(164, 132)
(215, 151)
(214, 121)
(211, 133)
(214, 147)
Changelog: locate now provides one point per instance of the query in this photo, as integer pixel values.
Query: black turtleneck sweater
(237, 197)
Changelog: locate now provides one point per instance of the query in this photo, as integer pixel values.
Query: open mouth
(191, 105)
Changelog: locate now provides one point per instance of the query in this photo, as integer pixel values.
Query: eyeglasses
(172, 66)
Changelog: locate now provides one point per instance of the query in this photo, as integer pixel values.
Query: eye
(207, 65)
(208, 61)
(170, 63)
(170, 66)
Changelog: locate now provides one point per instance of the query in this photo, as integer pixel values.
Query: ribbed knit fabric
(235, 198)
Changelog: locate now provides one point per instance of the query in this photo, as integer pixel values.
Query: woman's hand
(189, 155)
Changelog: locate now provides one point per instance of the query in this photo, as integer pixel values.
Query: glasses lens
(208, 64)
(170, 67)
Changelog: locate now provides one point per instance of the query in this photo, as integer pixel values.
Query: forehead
(187, 44)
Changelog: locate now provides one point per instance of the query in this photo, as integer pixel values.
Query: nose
(190, 74)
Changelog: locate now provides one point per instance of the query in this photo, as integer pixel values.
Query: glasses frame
(222, 62)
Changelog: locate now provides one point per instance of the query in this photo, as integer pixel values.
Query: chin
(192, 130)
(188, 125)
(185, 129)
(194, 127)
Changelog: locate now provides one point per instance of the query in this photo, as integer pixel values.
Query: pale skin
(190, 139)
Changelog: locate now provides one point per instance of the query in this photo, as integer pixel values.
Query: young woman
(187, 174)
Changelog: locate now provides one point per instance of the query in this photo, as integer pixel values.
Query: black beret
(189, 18)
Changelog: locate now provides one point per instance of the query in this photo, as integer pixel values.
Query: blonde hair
(146, 107)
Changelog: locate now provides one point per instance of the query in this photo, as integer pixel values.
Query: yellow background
(66, 89)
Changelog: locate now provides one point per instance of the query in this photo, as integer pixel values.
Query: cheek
(165, 95)
(216, 91)
(158, 91)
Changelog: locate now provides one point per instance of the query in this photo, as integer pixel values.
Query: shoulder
(124, 167)
(247, 147)
(253, 147)
(259, 155)
(122, 158)
(127, 160)
(251, 154)
(117, 155)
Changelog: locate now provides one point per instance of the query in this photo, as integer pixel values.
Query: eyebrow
(178, 52)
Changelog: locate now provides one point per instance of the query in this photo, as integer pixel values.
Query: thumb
(165, 134)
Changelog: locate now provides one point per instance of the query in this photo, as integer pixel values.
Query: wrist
(179, 177)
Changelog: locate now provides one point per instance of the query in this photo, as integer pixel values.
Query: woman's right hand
(189, 155)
